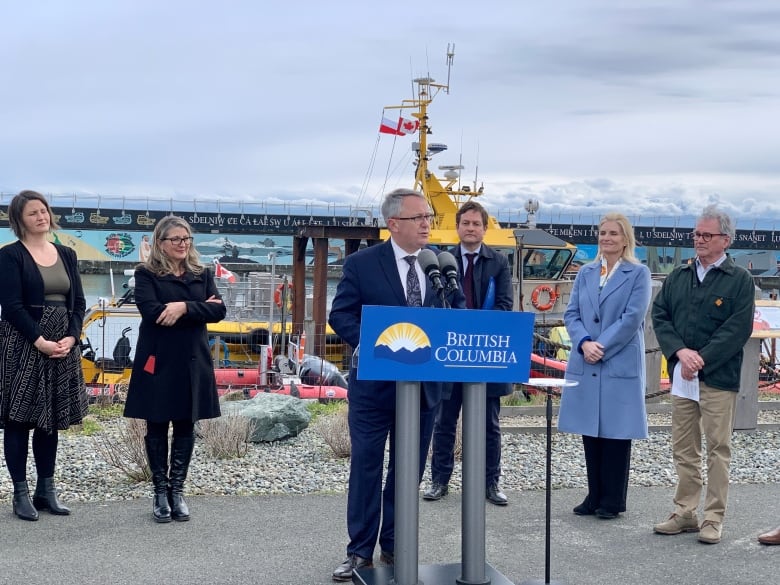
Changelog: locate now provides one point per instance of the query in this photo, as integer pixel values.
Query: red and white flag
(222, 272)
(390, 127)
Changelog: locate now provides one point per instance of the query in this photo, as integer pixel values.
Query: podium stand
(430, 350)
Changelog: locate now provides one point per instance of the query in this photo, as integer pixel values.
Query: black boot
(45, 497)
(181, 453)
(157, 453)
(23, 505)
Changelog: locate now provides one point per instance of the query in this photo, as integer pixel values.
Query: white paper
(684, 388)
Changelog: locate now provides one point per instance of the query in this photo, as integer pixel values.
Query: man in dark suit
(487, 284)
(386, 274)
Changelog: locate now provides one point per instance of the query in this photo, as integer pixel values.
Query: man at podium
(385, 274)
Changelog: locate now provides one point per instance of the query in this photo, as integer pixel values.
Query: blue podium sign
(440, 345)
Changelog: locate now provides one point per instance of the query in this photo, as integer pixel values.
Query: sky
(651, 107)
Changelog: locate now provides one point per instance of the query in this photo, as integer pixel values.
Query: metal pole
(473, 503)
(407, 473)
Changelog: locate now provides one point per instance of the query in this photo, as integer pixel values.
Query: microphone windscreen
(447, 263)
(427, 260)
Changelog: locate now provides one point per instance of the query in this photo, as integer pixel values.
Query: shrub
(127, 452)
(334, 430)
(227, 436)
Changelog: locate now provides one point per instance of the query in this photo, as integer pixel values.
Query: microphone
(449, 269)
(430, 266)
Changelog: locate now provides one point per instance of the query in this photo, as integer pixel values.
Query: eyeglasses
(177, 241)
(703, 236)
(419, 219)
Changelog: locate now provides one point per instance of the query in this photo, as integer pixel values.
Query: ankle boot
(45, 497)
(181, 454)
(23, 505)
(157, 453)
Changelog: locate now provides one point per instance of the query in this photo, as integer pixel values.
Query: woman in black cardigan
(41, 381)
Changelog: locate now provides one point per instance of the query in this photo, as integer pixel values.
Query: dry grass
(334, 430)
(226, 437)
(127, 452)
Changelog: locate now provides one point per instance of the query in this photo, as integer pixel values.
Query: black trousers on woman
(608, 462)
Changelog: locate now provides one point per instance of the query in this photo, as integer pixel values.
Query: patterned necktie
(413, 293)
(468, 281)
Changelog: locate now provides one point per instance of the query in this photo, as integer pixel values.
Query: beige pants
(712, 415)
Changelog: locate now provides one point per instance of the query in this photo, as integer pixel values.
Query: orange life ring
(551, 294)
(278, 295)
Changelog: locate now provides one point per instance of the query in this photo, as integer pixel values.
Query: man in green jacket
(703, 316)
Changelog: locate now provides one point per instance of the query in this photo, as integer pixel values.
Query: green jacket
(714, 317)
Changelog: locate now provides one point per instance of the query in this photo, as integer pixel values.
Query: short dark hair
(472, 206)
(16, 212)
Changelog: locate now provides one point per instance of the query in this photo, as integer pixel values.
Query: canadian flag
(222, 272)
(409, 126)
(402, 127)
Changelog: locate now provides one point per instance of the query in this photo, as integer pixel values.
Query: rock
(274, 416)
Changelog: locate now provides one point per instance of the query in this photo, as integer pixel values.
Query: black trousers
(608, 462)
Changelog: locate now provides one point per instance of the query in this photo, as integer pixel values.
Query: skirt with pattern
(35, 389)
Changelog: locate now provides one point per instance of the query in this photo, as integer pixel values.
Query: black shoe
(584, 509)
(606, 514)
(45, 497)
(387, 557)
(436, 492)
(495, 495)
(22, 503)
(344, 571)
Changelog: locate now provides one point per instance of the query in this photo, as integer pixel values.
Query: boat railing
(252, 298)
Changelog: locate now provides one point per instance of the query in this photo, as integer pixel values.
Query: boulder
(274, 416)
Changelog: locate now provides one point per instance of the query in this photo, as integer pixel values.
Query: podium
(402, 344)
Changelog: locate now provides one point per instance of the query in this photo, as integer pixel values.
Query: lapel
(618, 279)
(390, 268)
(591, 275)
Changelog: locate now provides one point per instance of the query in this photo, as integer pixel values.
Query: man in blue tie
(386, 274)
(487, 284)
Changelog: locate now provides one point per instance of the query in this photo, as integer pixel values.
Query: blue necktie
(413, 293)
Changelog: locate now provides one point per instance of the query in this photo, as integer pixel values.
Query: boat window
(545, 263)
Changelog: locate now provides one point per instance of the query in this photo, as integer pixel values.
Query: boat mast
(444, 198)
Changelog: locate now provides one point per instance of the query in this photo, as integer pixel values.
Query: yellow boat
(541, 262)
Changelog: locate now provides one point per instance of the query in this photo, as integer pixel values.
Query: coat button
(596, 319)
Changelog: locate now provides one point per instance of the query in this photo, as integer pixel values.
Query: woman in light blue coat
(605, 321)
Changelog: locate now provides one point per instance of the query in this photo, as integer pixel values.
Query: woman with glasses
(41, 382)
(173, 383)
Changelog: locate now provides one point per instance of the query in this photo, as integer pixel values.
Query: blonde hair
(158, 262)
(629, 251)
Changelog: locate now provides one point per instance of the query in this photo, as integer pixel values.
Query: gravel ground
(305, 464)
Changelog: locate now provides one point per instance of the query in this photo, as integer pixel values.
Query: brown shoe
(710, 532)
(677, 525)
(771, 537)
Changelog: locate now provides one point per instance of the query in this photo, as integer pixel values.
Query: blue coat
(610, 398)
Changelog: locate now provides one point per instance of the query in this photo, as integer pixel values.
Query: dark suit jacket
(495, 265)
(370, 277)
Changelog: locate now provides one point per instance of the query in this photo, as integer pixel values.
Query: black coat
(494, 265)
(173, 375)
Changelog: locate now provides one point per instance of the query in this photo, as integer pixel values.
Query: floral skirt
(35, 389)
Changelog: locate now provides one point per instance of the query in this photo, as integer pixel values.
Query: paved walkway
(289, 540)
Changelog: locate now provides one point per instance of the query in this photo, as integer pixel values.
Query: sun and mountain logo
(405, 343)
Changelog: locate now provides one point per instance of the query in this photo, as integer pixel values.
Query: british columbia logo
(405, 343)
